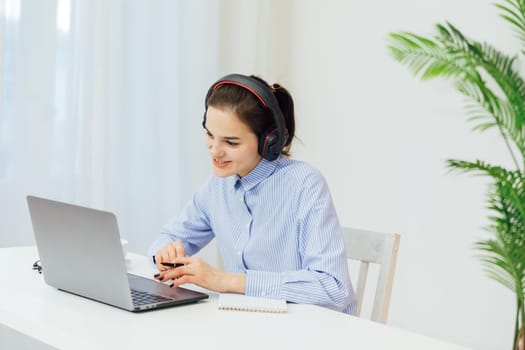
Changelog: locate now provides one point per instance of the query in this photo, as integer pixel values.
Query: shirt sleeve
(191, 227)
(323, 279)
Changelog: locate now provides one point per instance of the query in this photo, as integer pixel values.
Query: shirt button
(239, 252)
(240, 198)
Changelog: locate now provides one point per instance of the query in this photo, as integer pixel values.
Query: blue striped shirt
(278, 225)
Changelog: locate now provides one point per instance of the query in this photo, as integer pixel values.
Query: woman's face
(232, 145)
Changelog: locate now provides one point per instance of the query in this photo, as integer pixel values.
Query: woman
(273, 217)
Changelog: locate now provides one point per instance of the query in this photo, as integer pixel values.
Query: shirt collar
(261, 171)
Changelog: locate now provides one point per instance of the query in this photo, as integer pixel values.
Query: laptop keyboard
(144, 298)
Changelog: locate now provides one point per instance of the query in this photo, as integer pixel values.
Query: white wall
(380, 137)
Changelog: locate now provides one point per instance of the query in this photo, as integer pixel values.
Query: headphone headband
(231, 82)
(271, 142)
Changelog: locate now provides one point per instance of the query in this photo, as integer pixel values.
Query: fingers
(169, 253)
(185, 260)
(176, 274)
(158, 260)
(182, 280)
(179, 249)
(191, 267)
(161, 257)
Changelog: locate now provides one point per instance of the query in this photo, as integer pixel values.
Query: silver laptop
(80, 252)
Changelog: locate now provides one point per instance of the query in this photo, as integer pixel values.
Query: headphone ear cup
(270, 145)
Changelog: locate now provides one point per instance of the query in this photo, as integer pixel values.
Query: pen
(171, 264)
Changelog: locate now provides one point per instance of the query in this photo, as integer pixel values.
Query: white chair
(376, 248)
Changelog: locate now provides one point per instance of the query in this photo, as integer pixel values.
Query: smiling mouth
(220, 163)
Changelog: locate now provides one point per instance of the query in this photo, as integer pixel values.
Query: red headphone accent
(268, 138)
(227, 82)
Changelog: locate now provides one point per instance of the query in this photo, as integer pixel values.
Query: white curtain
(102, 101)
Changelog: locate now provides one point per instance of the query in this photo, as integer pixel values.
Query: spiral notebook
(240, 302)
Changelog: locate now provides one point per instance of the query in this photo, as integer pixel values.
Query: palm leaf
(513, 11)
(512, 182)
(424, 57)
(450, 54)
(487, 111)
(499, 266)
(496, 264)
(502, 69)
(503, 258)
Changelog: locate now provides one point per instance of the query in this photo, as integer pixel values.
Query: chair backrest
(376, 248)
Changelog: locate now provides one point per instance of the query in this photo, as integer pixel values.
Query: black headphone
(271, 142)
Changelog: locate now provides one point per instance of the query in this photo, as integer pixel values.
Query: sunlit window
(11, 13)
(12, 10)
(63, 15)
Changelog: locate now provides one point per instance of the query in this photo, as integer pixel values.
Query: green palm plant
(495, 95)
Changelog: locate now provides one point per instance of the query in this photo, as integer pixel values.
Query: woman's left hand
(202, 274)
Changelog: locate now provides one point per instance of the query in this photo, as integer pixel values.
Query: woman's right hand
(168, 253)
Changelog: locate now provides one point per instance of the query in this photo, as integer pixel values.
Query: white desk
(64, 321)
